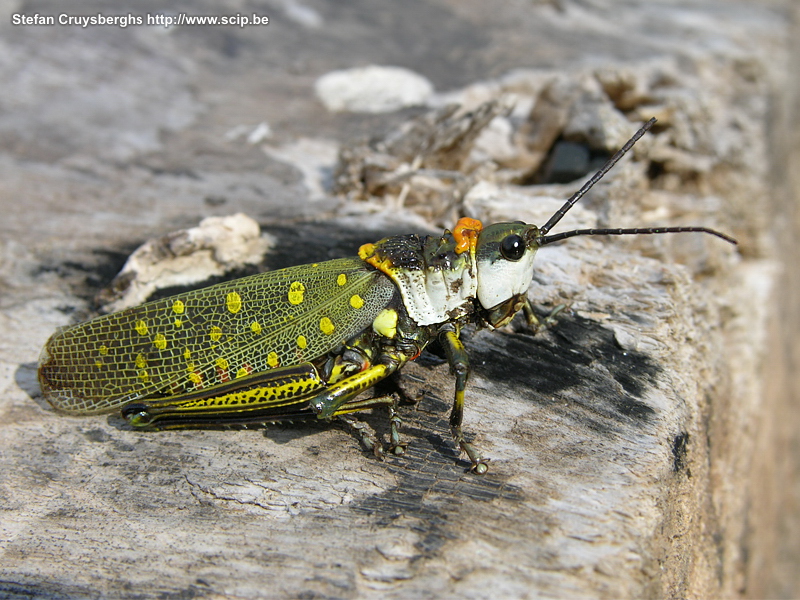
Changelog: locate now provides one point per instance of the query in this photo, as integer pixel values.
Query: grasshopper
(306, 341)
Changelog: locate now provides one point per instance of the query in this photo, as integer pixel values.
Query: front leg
(459, 367)
(534, 324)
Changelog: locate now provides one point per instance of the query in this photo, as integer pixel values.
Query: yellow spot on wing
(341, 279)
(195, 378)
(302, 342)
(141, 327)
(178, 323)
(255, 327)
(215, 333)
(141, 361)
(272, 359)
(242, 372)
(296, 291)
(326, 325)
(178, 307)
(103, 350)
(234, 302)
(160, 342)
(356, 301)
(144, 376)
(187, 354)
(222, 364)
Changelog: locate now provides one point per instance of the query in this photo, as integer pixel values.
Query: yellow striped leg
(262, 396)
(459, 367)
(340, 399)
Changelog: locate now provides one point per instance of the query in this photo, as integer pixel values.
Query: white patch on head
(502, 279)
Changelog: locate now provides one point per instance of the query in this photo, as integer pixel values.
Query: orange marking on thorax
(466, 234)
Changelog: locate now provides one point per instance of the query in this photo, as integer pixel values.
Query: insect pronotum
(306, 341)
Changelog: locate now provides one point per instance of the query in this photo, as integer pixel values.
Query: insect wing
(202, 338)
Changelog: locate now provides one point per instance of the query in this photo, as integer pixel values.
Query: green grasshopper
(306, 341)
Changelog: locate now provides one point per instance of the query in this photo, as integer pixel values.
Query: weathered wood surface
(644, 446)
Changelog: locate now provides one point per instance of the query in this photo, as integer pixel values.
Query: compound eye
(512, 247)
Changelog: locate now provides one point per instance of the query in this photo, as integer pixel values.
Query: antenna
(543, 239)
(549, 239)
(595, 178)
